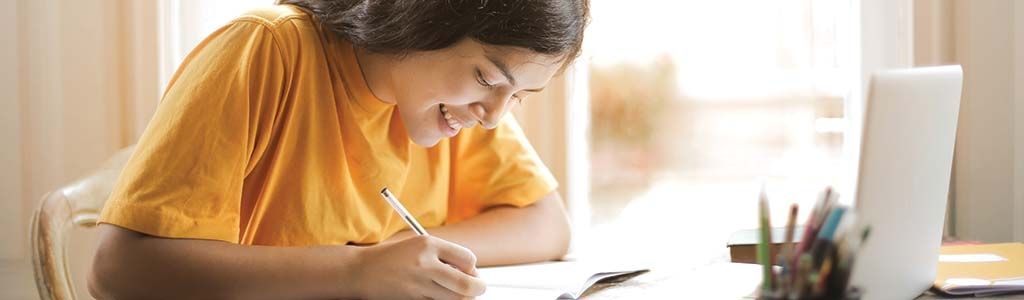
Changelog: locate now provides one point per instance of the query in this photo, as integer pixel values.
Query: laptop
(903, 179)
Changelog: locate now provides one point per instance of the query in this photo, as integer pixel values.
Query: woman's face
(438, 93)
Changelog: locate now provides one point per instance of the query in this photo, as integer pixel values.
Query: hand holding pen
(419, 267)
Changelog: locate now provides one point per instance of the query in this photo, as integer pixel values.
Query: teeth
(451, 119)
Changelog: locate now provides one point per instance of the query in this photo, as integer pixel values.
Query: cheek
(427, 88)
(460, 92)
(416, 95)
(454, 85)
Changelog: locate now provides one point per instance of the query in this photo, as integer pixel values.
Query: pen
(823, 277)
(402, 212)
(790, 227)
(803, 274)
(828, 228)
(786, 258)
(811, 227)
(764, 246)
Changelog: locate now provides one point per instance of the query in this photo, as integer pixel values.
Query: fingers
(457, 281)
(457, 269)
(439, 292)
(457, 256)
(448, 269)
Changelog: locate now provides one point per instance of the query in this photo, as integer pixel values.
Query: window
(695, 103)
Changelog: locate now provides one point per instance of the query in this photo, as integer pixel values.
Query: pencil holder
(853, 293)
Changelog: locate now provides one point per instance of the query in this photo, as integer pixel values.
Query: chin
(421, 135)
(424, 140)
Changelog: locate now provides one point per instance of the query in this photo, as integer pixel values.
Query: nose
(490, 111)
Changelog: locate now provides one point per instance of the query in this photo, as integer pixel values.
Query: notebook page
(561, 276)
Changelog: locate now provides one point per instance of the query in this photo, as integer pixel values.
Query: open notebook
(549, 280)
(981, 270)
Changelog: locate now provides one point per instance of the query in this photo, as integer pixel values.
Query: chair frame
(77, 204)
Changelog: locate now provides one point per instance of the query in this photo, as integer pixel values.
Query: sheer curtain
(81, 80)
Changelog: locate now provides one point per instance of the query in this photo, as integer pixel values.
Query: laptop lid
(910, 125)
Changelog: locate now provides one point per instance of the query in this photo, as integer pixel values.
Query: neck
(376, 72)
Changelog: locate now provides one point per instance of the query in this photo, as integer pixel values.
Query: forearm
(132, 265)
(509, 235)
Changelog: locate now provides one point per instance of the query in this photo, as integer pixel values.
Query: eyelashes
(480, 79)
(483, 82)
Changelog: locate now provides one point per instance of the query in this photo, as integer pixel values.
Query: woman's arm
(509, 235)
(132, 265)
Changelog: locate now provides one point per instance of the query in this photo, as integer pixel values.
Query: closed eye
(480, 79)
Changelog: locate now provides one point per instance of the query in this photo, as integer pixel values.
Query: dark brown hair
(550, 27)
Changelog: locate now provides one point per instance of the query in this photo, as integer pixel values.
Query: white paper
(509, 293)
(971, 258)
(966, 282)
(981, 287)
(562, 276)
(1010, 282)
(999, 287)
(549, 280)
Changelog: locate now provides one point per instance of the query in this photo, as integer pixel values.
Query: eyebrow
(503, 68)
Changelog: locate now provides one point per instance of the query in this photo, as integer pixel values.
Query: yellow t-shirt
(268, 135)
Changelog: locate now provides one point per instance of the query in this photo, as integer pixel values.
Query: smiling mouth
(449, 119)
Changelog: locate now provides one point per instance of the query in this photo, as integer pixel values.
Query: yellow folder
(981, 270)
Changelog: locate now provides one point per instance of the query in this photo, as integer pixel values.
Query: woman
(258, 176)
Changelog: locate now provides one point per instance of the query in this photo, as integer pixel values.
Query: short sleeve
(495, 167)
(185, 178)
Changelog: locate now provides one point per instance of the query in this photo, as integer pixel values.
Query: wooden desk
(714, 281)
(741, 252)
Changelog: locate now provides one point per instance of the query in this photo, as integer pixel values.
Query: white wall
(1018, 122)
(11, 226)
(987, 39)
(985, 165)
